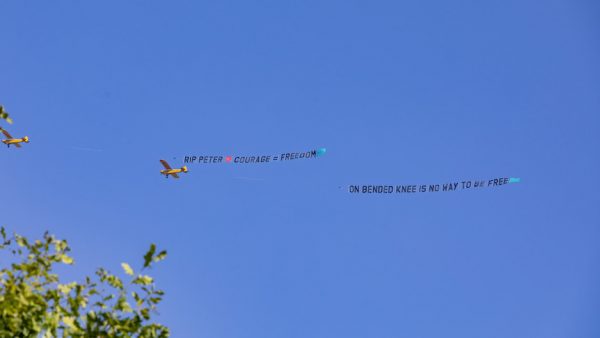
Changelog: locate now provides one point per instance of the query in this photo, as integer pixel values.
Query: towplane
(11, 140)
(170, 171)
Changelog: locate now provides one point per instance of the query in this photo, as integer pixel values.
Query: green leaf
(66, 259)
(143, 280)
(4, 115)
(138, 300)
(122, 305)
(114, 281)
(21, 241)
(127, 268)
(148, 256)
(69, 321)
(145, 313)
(161, 255)
(65, 289)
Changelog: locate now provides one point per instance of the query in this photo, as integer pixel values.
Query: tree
(34, 303)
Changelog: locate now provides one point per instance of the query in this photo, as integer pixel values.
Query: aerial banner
(253, 159)
(432, 188)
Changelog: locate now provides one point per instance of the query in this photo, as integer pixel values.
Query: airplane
(170, 171)
(11, 140)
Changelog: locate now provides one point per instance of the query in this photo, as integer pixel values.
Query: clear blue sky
(398, 91)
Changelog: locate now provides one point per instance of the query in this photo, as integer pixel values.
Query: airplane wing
(17, 145)
(165, 164)
(6, 133)
(174, 175)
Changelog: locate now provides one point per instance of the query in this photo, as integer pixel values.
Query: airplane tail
(184, 169)
(26, 139)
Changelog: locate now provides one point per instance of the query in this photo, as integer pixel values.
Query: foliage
(4, 114)
(34, 303)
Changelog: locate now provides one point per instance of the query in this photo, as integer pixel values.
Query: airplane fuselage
(168, 172)
(171, 171)
(15, 141)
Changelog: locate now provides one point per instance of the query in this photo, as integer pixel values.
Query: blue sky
(399, 92)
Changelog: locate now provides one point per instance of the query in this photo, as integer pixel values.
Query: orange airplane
(170, 171)
(11, 140)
